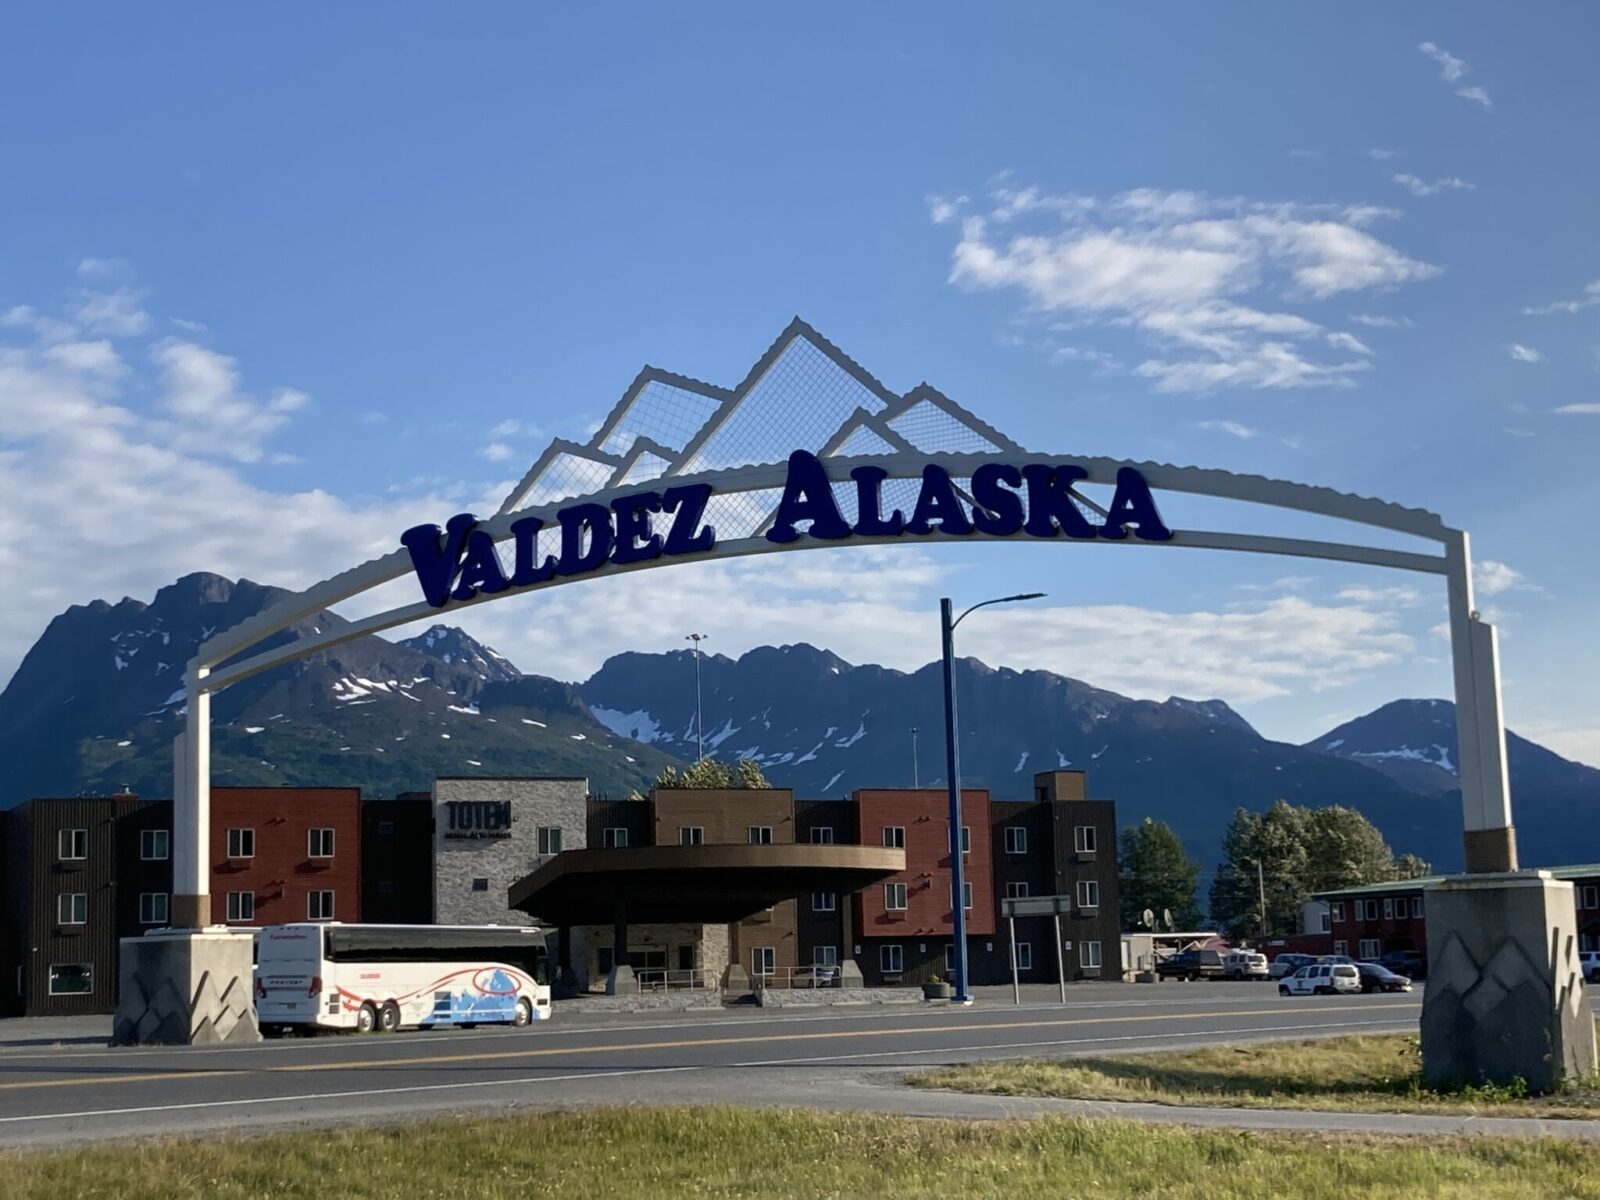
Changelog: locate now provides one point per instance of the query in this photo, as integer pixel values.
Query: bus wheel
(366, 1019)
(389, 1017)
(524, 1013)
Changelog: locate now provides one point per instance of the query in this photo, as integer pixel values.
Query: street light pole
(952, 753)
(699, 718)
(915, 782)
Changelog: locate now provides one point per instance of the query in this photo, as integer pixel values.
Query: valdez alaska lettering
(461, 561)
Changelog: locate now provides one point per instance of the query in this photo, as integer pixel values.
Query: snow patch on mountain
(638, 725)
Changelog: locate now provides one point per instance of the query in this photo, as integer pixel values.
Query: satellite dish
(1166, 915)
(1149, 919)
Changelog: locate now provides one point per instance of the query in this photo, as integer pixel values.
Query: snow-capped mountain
(452, 644)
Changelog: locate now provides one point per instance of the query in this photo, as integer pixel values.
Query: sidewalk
(17, 1032)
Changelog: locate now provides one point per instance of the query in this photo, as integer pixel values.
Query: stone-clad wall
(501, 856)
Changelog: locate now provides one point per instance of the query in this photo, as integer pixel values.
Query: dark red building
(285, 854)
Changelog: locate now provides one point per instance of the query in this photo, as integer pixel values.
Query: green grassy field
(1357, 1074)
(646, 1153)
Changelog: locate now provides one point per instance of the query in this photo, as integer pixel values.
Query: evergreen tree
(1157, 874)
(710, 773)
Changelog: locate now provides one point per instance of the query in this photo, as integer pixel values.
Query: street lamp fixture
(699, 718)
(953, 774)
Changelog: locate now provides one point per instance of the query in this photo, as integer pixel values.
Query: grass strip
(649, 1152)
(1346, 1074)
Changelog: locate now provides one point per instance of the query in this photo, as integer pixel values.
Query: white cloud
(119, 313)
(1372, 321)
(1348, 341)
(1382, 153)
(1525, 354)
(210, 414)
(1590, 298)
(1204, 278)
(944, 209)
(507, 428)
(497, 452)
(1231, 428)
(1383, 597)
(1586, 408)
(1422, 187)
(1452, 70)
(1492, 578)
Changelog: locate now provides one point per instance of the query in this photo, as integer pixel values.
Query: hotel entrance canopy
(693, 885)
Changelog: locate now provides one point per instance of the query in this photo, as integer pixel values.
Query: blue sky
(275, 284)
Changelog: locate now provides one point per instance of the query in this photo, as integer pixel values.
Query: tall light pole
(915, 780)
(953, 774)
(699, 718)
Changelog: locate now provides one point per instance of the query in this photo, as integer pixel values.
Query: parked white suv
(1589, 964)
(1245, 964)
(1321, 979)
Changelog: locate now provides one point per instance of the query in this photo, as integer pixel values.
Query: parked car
(1337, 958)
(1410, 963)
(1245, 964)
(1288, 964)
(1321, 979)
(1376, 978)
(1191, 964)
(818, 975)
(1589, 964)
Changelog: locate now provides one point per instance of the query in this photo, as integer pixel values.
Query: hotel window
(1083, 839)
(894, 837)
(72, 844)
(1388, 909)
(1024, 960)
(154, 845)
(241, 906)
(824, 902)
(1341, 947)
(966, 895)
(71, 979)
(241, 843)
(319, 906)
(480, 884)
(966, 839)
(1016, 839)
(72, 908)
(549, 839)
(891, 960)
(894, 897)
(691, 835)
(822, 835)
(1016, 891)
(1338, 910)
(763, 960)
(614, 837)
(949, 957)
(759, 835)
(825, 956)
(1591, 897)
(1369, 948)
(1416, 907)
(1088, 893)
(1371, 906)
(1089, 955)
(319, 843)
(152, 908)
(1326, 922)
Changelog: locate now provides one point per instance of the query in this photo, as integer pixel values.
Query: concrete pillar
(620, 982)
(191, 810)
(181, 987)
(1490, 840)
(1505, 997)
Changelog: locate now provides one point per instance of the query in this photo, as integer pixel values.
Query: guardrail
(797, 978)
(654, 979)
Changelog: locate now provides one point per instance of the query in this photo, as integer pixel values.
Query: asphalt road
(74, 1093)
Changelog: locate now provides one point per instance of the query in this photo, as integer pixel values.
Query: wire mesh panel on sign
(864, 440)
(797, 404)
(568, 475)
(737, 515)
(643, 469)
(669, 416)
(932, 430)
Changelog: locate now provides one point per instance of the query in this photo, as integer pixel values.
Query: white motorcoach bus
(326, 975)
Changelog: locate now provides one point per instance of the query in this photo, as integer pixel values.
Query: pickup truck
(1191, 964)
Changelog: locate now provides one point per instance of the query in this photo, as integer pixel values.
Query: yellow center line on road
(682, 1044)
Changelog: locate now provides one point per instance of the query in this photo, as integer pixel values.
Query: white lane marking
(543, 1079)
(910, 1012)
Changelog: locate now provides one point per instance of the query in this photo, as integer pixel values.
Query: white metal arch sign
(811, 451)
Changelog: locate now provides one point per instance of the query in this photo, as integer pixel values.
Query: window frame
(1016, 889)
(891, 951)
(1085, 839)
(1388, 908)
(893, 891)
(166, 908)
(614, 837)
(1023, 956)
(236, 903)
(1364, 954)
(691, 835)
(50, 980)
(315, 895)
(245, 842)
(547, 840)
(822, 835)
(1341, 947)
(70, 903)
(1336, 910)
(1418, 910)
(1083, 956)
(148, 844)
(1087, 887)
(763, 961)
(966, 895)
(1016, 839)
(758, 835)
(318, 837)
(894, 837)
(829, 902)
(67, 844)
(824, 956)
